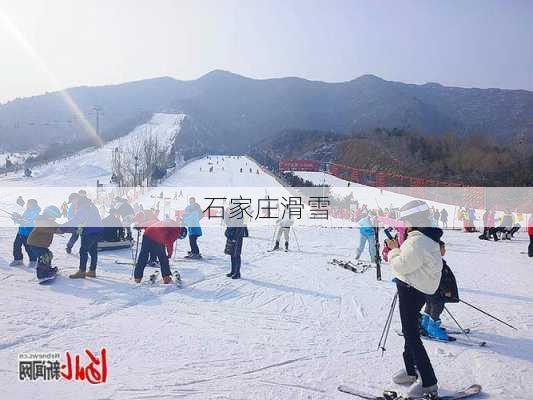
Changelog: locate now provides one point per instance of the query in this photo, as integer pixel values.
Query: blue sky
(73, 42)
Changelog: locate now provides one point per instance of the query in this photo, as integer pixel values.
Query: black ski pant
(194, 245)
(236, 257)
(530, 248)
(434, 307)
(89, 247)
(73, 239)
(21, 240)
(414, 355)
(151, 248)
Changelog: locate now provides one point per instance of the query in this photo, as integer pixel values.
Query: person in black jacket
(235, 232)
(446, 293)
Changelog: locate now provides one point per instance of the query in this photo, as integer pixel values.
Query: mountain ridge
(229, 105)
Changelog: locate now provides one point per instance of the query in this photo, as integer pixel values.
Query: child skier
(158, 240)
(40, 239)
(446, 293)
(26, 221)
(417, 267)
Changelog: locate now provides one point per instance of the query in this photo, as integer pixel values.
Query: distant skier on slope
(26, 222)
(283, 226)
(417, 267)
(447, 292)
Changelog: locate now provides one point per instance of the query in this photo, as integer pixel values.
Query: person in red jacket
(158, 241)
(530, 233)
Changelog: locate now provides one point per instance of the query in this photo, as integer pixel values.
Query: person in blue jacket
(87, 218)
(191, 219)
(26, 221)
(366, 234)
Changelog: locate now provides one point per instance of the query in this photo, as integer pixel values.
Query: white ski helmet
(416, 213)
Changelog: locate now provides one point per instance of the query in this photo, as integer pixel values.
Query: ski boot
(423, 324)
(177, 278)
(78, 275)
(276, 246)
(416, 390)
(153, 277)
(403, 378)
(435, 331)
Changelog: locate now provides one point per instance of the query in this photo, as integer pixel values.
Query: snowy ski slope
(294, 327)
(84, 168)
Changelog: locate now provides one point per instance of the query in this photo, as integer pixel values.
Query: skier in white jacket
(417, 267)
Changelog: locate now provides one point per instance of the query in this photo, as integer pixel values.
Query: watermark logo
(90, 367)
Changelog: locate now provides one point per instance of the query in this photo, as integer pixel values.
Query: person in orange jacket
(158, 241)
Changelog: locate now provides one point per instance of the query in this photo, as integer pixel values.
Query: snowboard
(465, 393)
(48, 279)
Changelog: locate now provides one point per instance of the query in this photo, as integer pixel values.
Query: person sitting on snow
(158, 241)
(40, 239)
(446, 293)
(26, 221)
(506, 225)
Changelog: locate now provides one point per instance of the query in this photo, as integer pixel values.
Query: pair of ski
(465, 393)
(358, 267)
(451, 339)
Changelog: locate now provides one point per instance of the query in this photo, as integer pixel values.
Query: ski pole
(296, 238)
(487, 314)
(136, 252)
(273, 236)
(386, 328)
(457, 323)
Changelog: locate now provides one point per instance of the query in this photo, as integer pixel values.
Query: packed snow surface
(294, 327)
